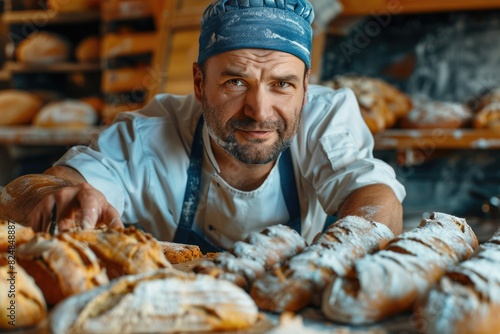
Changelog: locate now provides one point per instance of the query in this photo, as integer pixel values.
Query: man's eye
(235, 82)
(282, 84)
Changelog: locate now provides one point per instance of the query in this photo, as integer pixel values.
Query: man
(254, 146)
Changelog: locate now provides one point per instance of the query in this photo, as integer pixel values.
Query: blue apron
(185, 233)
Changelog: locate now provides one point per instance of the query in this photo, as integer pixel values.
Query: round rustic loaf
(88, 50)
(21, 301)
(66, 114)
(43, 47)
(18, 107)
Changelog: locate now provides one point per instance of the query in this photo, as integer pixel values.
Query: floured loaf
(300, 281)
(389, 281)
(167, 301)
(248, 259)
(467, 298)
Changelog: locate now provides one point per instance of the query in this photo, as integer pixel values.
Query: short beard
(247, 153)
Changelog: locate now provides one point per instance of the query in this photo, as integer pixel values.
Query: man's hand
(75, 207)
(60, 196)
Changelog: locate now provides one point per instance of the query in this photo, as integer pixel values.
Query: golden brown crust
(125, 251)
(18, 107)
(13, 235)
(43, 47)
(179, 253)
(381, 103)
(61, 266)
(19, 293)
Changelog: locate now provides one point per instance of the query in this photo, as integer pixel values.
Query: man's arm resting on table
(375, 202)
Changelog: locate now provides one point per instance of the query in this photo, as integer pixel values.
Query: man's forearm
(375, 202)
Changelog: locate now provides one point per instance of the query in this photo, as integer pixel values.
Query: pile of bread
(356, 272)
(385, 106)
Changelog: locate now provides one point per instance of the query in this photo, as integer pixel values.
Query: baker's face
(252, 100)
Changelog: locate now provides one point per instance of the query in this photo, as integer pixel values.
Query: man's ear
(197, 81)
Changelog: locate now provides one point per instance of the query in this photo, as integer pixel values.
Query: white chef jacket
(140, 164)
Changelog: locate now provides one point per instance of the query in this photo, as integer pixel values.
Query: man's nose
(258, 104)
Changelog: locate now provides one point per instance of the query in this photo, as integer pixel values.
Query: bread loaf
(13, 235)
(381, 103)
(302, 278)
(67, 113)
(18, 107)
(248, 259)
(389, 281)
(61, 266)
(123, 252)
(167, 301)
(43, 47)
(178, 253)
(21, 302)
(429, 114)
(88, 50)
(467, 298)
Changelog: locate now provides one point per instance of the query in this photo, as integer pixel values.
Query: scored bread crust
(389, 281)
(61, 266)
(300, 281)
(123, 251)
(20, 233)
(30, 306)
(167, 301)
(248, 259)
(467, 298)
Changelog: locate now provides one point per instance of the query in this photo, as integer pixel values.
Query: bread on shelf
(44, 47)
(19, 107)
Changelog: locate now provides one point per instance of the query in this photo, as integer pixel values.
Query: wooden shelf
(387, 7)
(17, 67)
(46, 16)
(30, 135)
(436, 139)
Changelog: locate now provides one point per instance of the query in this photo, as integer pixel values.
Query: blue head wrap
(282, 25)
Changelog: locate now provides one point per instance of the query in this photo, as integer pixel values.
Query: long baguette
(389, 282)
(296, 283)
(467, 298)
(249, 259)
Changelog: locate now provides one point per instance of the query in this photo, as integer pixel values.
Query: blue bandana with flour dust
(281, 25)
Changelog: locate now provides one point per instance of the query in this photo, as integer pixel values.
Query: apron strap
(289, 190)
(192, 193)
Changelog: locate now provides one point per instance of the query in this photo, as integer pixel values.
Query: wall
(451, 56)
